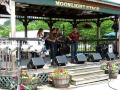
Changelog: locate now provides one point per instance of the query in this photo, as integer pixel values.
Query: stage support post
(119, 36)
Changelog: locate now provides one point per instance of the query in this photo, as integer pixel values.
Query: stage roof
(76, 9)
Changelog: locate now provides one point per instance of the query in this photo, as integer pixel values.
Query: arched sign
(76, 5)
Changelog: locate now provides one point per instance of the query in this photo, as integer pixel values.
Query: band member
(59, 41)
(40, 33)
(52, 37)
(74, 37)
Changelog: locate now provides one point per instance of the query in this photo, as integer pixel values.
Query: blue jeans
(53, 50)
(74, 47)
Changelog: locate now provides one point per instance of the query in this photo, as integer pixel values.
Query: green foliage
(7, 23)
(4, 31)
(113, 67)
(106, 27)
(20, 27)
(35, 25)
(87, 33)
(2, 27)
(65, 27)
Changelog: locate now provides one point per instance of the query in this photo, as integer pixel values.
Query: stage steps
(84, 74)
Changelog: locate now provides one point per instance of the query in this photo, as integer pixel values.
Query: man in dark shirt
(52, 37)
(74, 37)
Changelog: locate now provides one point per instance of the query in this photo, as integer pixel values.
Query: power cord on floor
(110, 85)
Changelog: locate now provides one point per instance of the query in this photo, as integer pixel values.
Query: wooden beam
(98, 30)
(118, 45)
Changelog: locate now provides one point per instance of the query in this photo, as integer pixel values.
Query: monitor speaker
(24, 63)
(110, 56)
(81, 58)
(95, 57)
(61, 60)
(35, 63)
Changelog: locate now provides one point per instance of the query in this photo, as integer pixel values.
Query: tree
(35, 25)
(106, 27)
(87, 33)
(65, 27)
(4, 31)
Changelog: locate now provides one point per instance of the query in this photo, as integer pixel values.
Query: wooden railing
(91, 45)
(85, 45)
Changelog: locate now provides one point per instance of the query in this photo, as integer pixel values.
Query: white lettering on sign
(75, 5)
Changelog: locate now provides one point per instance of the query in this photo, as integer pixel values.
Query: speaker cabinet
(36, 63)
(61, 60)
(24, 63)
(95, 57)
(110, 56)
(81, 58)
